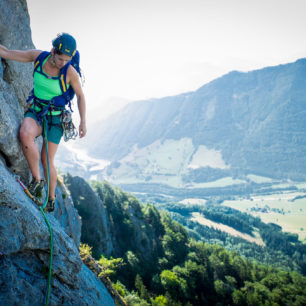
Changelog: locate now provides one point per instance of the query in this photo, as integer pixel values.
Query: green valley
(288, 210)
(155, 260)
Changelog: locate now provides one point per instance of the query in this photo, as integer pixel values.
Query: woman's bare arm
(74, 80)
(18, 55)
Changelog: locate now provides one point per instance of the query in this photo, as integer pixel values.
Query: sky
(141, 49)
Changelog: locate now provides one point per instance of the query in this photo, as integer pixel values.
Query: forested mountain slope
(157, 263)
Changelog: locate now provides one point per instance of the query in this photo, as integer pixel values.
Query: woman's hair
(58, 52)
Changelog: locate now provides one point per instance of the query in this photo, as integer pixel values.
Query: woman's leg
(29, 130)
(52, 148)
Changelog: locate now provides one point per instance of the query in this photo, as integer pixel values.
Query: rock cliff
(24, 234)
(96, 228)
(103, 227)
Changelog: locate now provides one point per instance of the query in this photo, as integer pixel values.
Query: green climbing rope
(46, 219)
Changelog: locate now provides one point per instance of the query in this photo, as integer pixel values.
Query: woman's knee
(25, 135)
(29, 130)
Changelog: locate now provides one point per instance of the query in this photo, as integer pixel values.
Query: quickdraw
(69, 130)
(26, 190)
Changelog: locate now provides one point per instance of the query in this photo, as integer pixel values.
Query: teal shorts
(54, 130)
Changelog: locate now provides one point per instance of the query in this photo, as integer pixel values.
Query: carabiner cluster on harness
(69, 129)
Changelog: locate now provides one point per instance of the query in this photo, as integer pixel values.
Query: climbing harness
(42, 208)
(41, 110)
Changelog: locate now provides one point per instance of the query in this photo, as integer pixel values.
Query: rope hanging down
(46, 219)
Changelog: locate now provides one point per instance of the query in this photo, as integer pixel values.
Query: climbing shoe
(50, 205)
(36, 188)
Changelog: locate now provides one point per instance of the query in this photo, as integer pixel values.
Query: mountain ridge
(254, 120)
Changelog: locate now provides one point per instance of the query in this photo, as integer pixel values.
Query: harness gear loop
(70, 132)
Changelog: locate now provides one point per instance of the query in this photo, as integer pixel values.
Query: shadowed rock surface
(95, 222)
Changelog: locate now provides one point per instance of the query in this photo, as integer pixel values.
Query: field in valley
(224, 228)
(285, 209)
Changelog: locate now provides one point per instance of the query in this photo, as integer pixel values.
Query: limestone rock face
(15, 82)
(25, 252)
(24, 234)
(66, 213)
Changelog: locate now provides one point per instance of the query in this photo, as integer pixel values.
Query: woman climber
(44, 114)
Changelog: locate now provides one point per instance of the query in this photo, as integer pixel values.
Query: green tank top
(45, 87)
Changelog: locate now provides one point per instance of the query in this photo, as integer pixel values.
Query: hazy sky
(139, 49)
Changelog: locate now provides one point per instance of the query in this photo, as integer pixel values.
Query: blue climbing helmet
(65, 43)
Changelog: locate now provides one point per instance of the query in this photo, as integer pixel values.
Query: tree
(160, 301)
(141, 288)
(174, 285)
(175, 242)
(110, 265)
